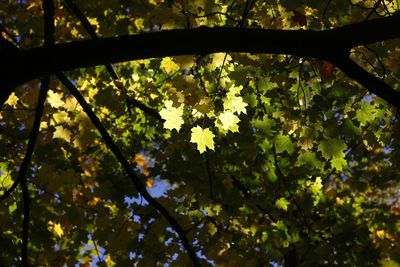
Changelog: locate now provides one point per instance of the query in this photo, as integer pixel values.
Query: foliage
(255, 158)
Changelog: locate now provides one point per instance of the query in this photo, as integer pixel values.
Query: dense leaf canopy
(199, 133)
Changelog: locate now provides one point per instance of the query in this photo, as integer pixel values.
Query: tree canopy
(199, 133)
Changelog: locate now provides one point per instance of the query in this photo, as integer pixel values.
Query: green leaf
(282, 203)
(308, 158)
(332, 148)
(365, 113)
(284, 143)
(338, 163)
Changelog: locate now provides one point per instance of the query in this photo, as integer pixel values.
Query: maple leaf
(338, 163)
(366, 113)
(203, 138)
(62, 133)
(235, 104)
(229, 121)
(55, 99)
(12, 100)
(172, 116)
(332, 148)
(284, 143)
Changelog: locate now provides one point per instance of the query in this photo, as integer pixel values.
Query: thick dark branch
(17, 68)
(372, 83)
(323, 44)
(48, 7)
(129, 169)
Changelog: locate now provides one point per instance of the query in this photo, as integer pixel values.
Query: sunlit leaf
(203, 138)
(172, 116)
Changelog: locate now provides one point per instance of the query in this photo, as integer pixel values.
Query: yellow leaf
(55, 228)
(112, 208)
(12, 100)
(55, 99)
(60, 117)
(62, 133)
(203, 138)
(212, 230)
(94, 201)
(109, 261)
(168, 65)
(218, 59)
(172, 116)
(316, 186)
(380, 234)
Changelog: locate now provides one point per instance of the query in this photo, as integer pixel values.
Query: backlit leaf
(172, 116)
(203, 138)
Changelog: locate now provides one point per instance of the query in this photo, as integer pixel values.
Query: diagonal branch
(372, 83)
(146, 109)
(8, 192)
(129, 169)
(24, 168)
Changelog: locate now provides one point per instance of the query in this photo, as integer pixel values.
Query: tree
(197, 133)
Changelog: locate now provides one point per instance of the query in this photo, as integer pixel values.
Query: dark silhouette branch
(24, 168)
(372, 83)
(20, 67)
(148, 110)
(48, 7)
(129, 169)
(8, 192)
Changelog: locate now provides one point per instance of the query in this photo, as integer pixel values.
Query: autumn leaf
(168, 65)
(150, 183)
(55, 228)
(55, 99)
(142, 163)
(203, 138)
(12, 100)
